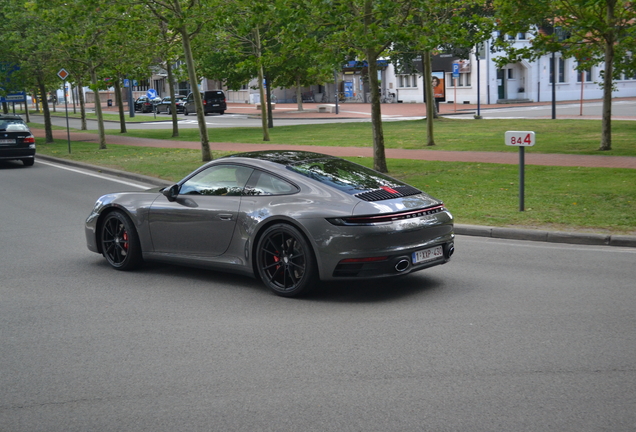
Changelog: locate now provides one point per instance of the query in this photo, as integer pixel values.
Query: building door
(501, 83)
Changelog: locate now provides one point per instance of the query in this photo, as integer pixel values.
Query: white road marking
(100, 176)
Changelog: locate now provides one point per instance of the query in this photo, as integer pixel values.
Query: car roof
(10, 117)
(282, 157)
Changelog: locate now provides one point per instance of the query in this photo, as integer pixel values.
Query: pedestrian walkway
(416, 154)
(418, 110)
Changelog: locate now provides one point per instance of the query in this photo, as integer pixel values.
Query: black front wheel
(285, 261)
(120, 242)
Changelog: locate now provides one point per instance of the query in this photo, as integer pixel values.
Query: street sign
(152, 93)
(63, 74)
(126, 83)
(14, 97)
(455, 70)
(520, 138)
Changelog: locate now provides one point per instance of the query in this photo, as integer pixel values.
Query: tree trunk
(82, 101)
(268, 94)
(299, 94)
(431, 114)
(206, 155)
(98, 110)
(173, 101)
(261, 77)
(120, 105)
(48, 128)
(379, 157)
(608, 79)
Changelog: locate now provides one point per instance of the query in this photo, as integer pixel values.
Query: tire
(28, 162)
(120, 242)
(169, 111)
(185, 111)
(221, 112)
(285, 261)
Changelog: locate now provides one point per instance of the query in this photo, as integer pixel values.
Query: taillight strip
(395, 216)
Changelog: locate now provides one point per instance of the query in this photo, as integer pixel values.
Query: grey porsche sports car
(289, 218)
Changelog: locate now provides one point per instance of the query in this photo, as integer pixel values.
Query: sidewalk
(412, 110)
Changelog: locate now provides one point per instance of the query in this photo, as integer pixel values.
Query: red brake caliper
(125, 237)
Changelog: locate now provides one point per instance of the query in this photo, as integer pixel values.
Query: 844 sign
(520, 138)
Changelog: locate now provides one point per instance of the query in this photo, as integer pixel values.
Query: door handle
(225, 217)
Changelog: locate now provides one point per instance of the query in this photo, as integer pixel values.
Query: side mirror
(171, 192)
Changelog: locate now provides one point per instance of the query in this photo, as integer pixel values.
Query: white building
(523, 81)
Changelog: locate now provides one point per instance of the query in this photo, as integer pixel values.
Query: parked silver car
(289, 218)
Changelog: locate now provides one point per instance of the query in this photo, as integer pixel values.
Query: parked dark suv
(213, 102)
(16, 140)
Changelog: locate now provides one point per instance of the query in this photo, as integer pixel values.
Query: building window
(560, 70)
(587, 74)
(407, 81)
(521, 36)
(510, 74)
(462, 81)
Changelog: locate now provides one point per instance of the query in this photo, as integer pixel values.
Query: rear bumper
(19, 153)
(394, 265)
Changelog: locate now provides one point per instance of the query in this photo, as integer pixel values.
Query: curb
(546, 236)
(460, 229)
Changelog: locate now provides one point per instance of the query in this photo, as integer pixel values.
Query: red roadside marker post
(521, 139)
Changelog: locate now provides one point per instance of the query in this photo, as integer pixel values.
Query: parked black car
(166, 106)
(213, 102)
(145, 104)
(16, 140)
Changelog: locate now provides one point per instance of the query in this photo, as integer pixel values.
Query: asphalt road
(190, 122)
(509, 336)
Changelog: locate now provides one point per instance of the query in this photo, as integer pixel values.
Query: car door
(201, 221)
(189, 104)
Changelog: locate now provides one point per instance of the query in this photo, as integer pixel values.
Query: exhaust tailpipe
(402, 265)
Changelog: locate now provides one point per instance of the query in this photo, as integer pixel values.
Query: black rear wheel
(285, 261)
(120, 242)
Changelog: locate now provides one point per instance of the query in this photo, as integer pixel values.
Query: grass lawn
(599, 200)
(552, 136)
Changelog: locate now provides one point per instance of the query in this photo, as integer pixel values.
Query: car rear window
(354, 179)
(211, 94)
(13, 126)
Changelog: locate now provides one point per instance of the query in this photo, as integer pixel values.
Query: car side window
(267, 184)
(220, 180)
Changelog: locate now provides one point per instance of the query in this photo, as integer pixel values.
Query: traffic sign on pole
(521, 139)
(455, 70)
(63, 74)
